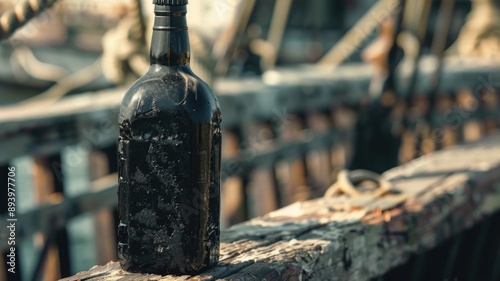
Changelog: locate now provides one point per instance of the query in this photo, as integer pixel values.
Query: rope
(125, 47)
(202, 62)
(348, 182)
(69, 83)
(23, 61)
(22, 13)
(480, 36)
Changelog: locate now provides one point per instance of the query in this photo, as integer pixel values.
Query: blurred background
(307, 88)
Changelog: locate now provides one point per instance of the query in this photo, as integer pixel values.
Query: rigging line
(125, 47)
(376, 146)
(277, 28)
(24, 58)
(69, 83)
(94, 70)
(421, 32)
(392, 58)
(351, 41)
(438, 48)
(141, 21)
(21, 14)
(230, 39)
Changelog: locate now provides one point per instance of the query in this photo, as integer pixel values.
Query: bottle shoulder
(169, 90)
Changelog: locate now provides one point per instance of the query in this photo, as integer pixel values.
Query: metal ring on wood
(348, 180)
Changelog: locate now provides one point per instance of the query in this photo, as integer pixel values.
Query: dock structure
(285, 136)
(435, 198)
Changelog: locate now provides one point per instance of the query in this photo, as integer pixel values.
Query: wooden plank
(261, 190)
(296, 180)
(344, 239)
(103, 219)
(47, 187)
(234, 206)
(319, 162)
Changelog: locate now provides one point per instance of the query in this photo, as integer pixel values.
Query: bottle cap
(170, 2)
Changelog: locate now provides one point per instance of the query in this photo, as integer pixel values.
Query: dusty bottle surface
(169, 157)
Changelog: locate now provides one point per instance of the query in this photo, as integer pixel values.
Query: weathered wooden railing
(435, 198)
(283, 140)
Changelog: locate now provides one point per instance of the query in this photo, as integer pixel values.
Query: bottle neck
(170, 43)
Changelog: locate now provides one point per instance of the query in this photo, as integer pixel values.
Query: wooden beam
(344, 238)
(48, 188)
(103, 219)
(43, 128)
(261, 190)
(103, 195)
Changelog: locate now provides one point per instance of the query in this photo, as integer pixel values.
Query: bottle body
(169, 174)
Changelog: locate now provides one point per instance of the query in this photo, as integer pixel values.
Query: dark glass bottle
(169, 157)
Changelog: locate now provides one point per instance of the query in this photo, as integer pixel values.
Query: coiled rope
(348, 182)
(22, 13)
